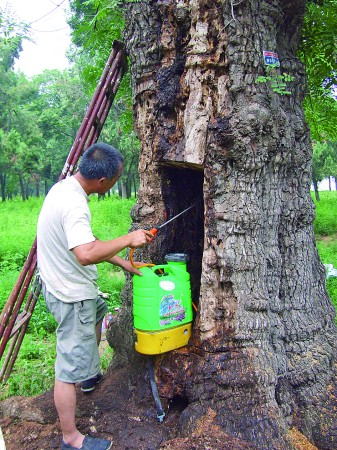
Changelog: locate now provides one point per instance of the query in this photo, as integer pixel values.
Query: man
(67, 252)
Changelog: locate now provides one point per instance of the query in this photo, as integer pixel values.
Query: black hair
(100, 160)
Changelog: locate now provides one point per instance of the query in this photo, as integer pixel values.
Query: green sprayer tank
(162, 306)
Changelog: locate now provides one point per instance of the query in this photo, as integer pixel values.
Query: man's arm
(124, 264)
(99, 251)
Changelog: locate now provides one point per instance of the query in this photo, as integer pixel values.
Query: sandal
(90, 443)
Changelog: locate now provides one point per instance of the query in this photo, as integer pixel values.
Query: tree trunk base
(122, 409)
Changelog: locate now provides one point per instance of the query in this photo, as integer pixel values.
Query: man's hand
(126, 265)
(139, 238)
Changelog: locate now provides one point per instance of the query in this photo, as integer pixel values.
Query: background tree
(12, 32)
(4, 163)
(330, 163)
(39, 118)
(95, 25)
(324, 164)
(317, 166)
(60, 106)
(18, 124)
(21, 135)
(10, 46)
(318, 50)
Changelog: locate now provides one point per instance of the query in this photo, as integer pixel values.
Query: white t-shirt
(63, 224)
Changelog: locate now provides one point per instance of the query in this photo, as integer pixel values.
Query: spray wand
(155, 230)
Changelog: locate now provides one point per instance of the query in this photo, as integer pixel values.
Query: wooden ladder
(13, 323)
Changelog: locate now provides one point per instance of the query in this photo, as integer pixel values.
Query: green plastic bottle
(162, 296)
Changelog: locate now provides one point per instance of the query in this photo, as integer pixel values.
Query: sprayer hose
(135, 265)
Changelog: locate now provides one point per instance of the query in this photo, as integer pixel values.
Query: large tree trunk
(262, 357)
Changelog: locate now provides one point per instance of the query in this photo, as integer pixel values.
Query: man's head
(101, 164)
(100, 161)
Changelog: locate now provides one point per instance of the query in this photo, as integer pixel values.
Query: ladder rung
(98, 123)
(22, 318)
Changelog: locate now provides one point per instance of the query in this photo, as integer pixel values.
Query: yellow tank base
(157, 342)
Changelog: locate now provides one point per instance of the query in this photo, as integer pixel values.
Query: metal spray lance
(155, 230)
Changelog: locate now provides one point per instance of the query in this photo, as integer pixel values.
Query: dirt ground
(121, 409)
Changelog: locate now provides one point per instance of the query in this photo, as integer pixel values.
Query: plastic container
(162, 306)
(157, 342)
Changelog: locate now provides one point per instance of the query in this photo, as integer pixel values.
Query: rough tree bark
(262, 357)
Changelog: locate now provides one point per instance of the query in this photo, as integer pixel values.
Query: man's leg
(90, 384)
(99, 331)
(65, 402)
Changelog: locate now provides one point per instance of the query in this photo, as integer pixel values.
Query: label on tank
(167, 285)
(171, 310)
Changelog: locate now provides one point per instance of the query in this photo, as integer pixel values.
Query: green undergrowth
(327, 249)
(33, 370)
(325, 227)
(326, 214)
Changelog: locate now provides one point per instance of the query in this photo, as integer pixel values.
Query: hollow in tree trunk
(261, 360)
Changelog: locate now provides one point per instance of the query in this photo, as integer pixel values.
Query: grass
(33, 371)
(326, 213)
(325, 227)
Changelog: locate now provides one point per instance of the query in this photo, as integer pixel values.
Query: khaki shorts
(77, 357)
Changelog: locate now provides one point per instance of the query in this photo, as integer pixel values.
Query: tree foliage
(95, 25)
(324, 161)
(12, 33)
(41, 116)
(319, 53)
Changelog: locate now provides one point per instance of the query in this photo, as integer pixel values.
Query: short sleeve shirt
(64, 223)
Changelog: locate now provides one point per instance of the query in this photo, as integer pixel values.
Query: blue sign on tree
(270, 58)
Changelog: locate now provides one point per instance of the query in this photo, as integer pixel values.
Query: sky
(49, 32)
